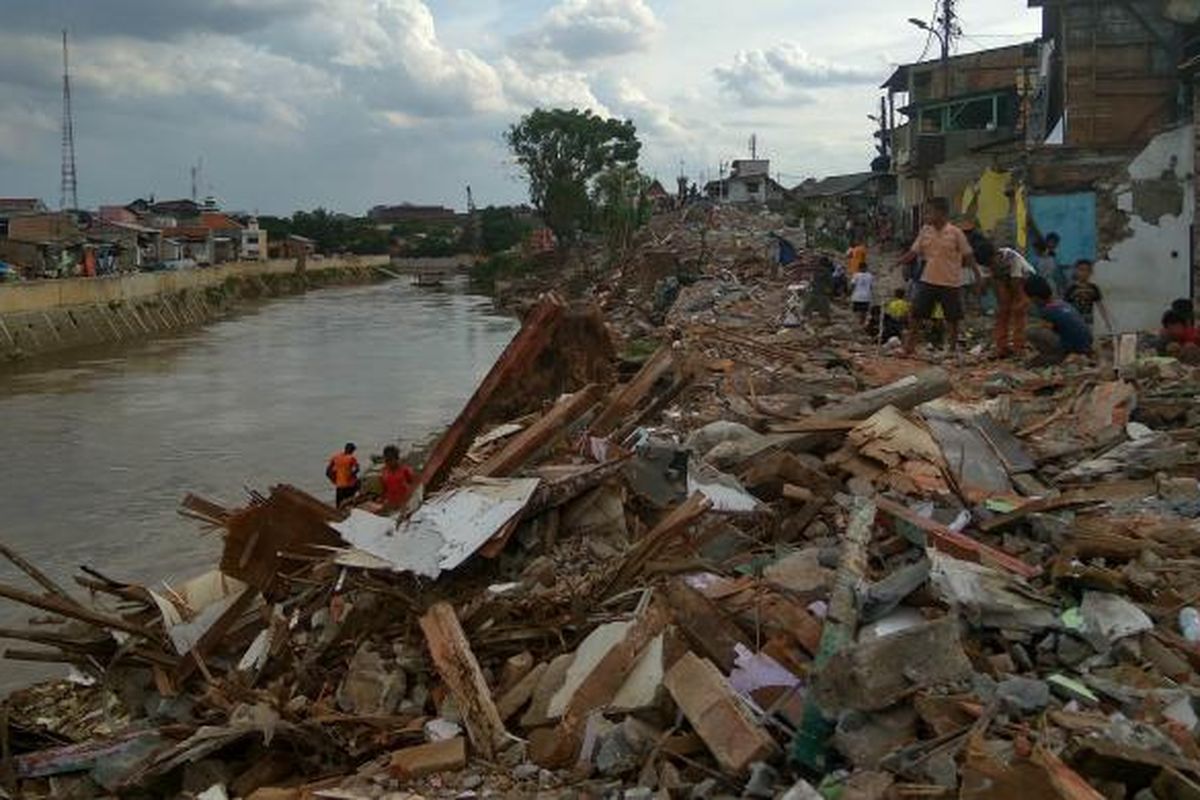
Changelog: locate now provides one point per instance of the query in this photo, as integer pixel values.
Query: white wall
(1152, 267)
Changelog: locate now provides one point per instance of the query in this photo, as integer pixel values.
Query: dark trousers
(344, 494)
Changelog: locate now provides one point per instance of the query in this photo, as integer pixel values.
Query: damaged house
(1088, 133)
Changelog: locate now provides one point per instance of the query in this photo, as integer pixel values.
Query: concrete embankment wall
(48, 316)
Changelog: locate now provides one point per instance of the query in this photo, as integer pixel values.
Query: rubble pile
(754, 560)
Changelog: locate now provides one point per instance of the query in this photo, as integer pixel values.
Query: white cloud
(579, 30)
(784, 75)
(526, 89)
(392, 50)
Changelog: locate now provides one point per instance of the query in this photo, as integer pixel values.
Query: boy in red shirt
(396, 478)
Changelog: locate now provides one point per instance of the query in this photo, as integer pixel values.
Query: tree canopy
(562, 152)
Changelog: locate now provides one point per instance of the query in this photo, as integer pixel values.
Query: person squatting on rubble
(1065, 332)
(895, 315)
(1179, 336)
(396, 480)
(342, 472)
(945, 251)
(862, 292)
(1086, 296)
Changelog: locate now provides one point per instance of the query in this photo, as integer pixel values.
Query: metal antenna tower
(70, 190)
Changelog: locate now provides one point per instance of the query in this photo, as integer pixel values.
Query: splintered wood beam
(39, 577)
(528, 442)
(460, 671)
(954, 544)
(631, 395)
(518, 358)
(559, 746)
(56, 605)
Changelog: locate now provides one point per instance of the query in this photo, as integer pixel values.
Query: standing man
(856, 257)
(342, 472)
(945, 250)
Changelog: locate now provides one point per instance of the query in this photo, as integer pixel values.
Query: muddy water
(97, 451)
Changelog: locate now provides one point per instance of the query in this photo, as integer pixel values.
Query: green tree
(622, 205)
(502, 228)
(562, 152)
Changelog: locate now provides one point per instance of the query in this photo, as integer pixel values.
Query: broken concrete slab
(873, 675)
(867, 738)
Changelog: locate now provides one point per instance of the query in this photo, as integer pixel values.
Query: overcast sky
(348, 103)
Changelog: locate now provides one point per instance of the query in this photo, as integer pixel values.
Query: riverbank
(42, 317)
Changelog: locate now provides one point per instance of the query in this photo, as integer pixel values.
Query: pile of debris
(761, 562)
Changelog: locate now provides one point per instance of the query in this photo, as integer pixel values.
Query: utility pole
(948, 22)
(69, 187)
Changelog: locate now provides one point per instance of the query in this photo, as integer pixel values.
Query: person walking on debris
(856, 257)
(1009, 270)
(342, 472)
(1065, 333)
(1047, 265)
(862, 291)
(945, 250)
(396, 479)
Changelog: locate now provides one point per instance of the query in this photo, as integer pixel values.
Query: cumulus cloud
(391, 51)
(526, 89)
(784, 75)
(579, 30)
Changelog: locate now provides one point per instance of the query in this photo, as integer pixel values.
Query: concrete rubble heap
(745, 559)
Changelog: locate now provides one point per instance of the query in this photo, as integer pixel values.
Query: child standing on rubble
(1065, 333)
(396, 478)
(1086, 296)
(862, 291)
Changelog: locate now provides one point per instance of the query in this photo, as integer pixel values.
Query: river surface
(99, 449)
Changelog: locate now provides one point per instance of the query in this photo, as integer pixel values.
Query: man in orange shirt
(856, 257)
(342, 472)
(945, 250)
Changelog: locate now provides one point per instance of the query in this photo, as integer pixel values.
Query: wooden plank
(956, 544)
(706, 626)
(514, 699)
(631, 395)
(216, 633)
(905, 394)
(57, 605)
(653, 543)
(458, 668)
(528, 442)
(1034, 507)
(536, 332)
(428, 759)
(39, 577)
(717, 714)
(559, 746)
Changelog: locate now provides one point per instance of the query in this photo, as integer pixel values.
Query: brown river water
(99, 447)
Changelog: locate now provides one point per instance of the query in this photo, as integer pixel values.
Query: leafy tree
(622, 205)
(502, 228)
(562, 152)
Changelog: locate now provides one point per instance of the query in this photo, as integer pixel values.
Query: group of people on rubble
(397, 481)
(943, 271)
